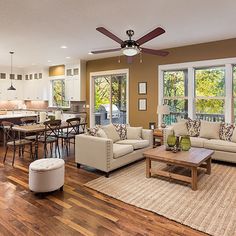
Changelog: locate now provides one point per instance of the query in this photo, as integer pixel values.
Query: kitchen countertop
(11, 116)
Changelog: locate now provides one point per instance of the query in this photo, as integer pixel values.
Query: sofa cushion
(220, 145)
(180, 128)
(134, 132)
(101, 133)
(121, 150)
(197, 142)
(226, 131)
(210, 130)
(111, 132)
(193, 127)
(137, 144)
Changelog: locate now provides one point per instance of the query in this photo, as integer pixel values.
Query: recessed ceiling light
(90, 53)
(63, 46)
(68, 57)
(49, 61)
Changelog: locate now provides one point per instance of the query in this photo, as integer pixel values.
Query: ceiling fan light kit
(130, 51)
(131, 47)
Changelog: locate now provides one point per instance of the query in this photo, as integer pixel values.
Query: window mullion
(229, 93)
(191, 93)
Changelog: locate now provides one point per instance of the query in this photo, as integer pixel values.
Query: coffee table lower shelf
(163, 173)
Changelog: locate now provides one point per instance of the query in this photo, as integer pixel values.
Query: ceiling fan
(133, 47)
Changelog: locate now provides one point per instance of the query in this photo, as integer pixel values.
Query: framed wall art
(142, 104)
(142, 88)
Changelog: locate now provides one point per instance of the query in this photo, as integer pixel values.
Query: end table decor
(185, 143)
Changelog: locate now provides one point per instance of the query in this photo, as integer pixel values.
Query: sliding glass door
(108, 99)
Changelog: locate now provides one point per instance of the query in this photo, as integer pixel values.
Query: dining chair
(72, 129)
(51, 136)
(29, 121)
(14, 142)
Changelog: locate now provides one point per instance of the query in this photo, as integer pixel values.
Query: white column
(229, 93)
(191, 93)
(160, 93)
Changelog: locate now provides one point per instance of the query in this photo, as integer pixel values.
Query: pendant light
(11, 87)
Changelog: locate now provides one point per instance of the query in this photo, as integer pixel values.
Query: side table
(157, 137)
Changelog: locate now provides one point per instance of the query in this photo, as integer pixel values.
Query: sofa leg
(78, 165)
(107, 174)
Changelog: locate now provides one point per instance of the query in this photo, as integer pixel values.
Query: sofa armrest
(147, 134)
(166, 132)
(93, 151)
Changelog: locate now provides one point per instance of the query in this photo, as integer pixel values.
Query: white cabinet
(72, 89)
(7, 95)
(75, 85)
(36, 90)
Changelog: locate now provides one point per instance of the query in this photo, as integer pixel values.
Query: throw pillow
(226, 131)
(210, 130)
(101, 133)
(111, 132)
(193, 127)
(93, 131)
(121, 130)
(233, 138)
(134, 132)
(180, 128)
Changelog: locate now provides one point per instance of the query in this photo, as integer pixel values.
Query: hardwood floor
(77, 210)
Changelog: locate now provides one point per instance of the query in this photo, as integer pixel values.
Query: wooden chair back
(73, 125)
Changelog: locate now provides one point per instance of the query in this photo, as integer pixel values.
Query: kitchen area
(37, 95)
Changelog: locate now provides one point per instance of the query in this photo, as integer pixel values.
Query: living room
(117, 121)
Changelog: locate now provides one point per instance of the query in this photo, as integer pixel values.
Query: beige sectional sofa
(209, 137)
(109, 152)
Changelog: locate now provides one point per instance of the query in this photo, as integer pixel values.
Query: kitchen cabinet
(36, 90)
(75, 84)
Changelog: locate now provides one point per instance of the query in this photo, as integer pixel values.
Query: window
(175, 95)
(210, 93)
(204, 90)
(108, 97)
(58, 93)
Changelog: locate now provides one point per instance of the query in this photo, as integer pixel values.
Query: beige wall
(148, 72)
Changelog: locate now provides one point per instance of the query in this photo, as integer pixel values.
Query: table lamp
(163, 110)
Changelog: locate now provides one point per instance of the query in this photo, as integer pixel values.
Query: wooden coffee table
(192, 159)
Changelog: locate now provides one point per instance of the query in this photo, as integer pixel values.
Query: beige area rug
(210, 209)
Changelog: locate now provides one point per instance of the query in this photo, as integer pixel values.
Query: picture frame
(142, 88)
(142, 104)
(152, 125)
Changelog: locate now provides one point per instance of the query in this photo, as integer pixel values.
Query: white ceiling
(35, 29)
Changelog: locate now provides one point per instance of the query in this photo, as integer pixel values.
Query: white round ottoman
(46, 175)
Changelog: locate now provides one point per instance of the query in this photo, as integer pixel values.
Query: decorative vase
(185, 143)
(171, 140)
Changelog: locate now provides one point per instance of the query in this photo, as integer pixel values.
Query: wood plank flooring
(77, 210)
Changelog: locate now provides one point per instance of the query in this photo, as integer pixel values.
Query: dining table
(38, 129)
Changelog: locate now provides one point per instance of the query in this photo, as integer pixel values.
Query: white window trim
(228, 63)
(91, 96)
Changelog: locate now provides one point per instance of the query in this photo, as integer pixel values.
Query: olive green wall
(147, 71)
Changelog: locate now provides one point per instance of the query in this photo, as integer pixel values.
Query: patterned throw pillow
(226, 131)
(121, 130)
(93, 131)
(193, 127)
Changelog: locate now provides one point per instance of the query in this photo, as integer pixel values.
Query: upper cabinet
(75, 82)
(36, 86)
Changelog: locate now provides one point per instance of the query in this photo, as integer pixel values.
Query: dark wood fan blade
(104, 51)
(155, 52)
(151, 35)
(109, 34)
(129, 60)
